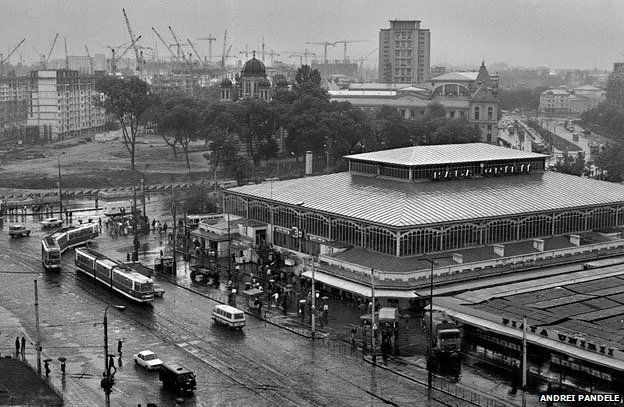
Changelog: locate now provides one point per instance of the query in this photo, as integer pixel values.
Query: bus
(115, 275)
(54, 244)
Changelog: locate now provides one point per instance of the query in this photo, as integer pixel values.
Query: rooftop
(402, 204)
(456, 76)
(445, 154)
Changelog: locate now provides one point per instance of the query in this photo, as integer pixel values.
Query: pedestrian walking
(47, 368)
(23, 345)
(119, 345)
(17, 345)
(63, 368)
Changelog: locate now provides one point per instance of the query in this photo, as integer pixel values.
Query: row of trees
(309, 119)
(605, 120)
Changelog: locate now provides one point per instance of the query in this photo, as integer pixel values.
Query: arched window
(459, 236)
(569, 222)
(380, 240)
(316, 224)
(420, 241)
(601, 218)
(236, 205)
(535, 226)
(500, 230)
(286, 217)
(347, 232)
(259, 211)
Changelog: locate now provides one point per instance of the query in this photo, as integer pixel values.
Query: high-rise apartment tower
(404, 52)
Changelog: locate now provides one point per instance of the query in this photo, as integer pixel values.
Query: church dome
(253, 67)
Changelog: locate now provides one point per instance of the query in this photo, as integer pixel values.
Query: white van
(228, 316)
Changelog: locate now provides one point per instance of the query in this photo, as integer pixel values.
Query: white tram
(54, 244)
(115, 275)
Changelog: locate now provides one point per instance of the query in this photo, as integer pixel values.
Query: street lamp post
(59, 189)
(106, 381)
(430, 341)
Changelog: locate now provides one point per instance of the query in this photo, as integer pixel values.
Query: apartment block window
(490, 112)
(489, 127)
(476, 113)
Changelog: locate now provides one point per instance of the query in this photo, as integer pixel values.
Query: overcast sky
(553, 33)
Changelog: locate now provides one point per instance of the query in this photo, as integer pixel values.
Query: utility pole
(135, 227)
(373, 325)
(59, 190)
(37, 340)
(524, 360)
(313, 303)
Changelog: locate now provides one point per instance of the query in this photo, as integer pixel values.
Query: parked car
(18, 231)
(158, 290)
(148, 359)
(52, 223)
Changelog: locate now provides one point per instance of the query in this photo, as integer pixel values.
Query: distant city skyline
(521, 33)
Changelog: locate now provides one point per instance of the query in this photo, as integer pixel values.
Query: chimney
(538, 244)
(575, 240)
(308, 163)
(499, 249)
(458, 258)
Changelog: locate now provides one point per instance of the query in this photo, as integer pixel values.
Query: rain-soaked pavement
(263, 365)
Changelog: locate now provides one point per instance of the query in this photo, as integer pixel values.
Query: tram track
(256, 377)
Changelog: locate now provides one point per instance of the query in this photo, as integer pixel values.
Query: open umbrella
(47, 360)
(62, 359)
(324, 298)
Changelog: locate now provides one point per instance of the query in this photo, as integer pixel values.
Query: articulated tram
(54, 244)
(115, 275)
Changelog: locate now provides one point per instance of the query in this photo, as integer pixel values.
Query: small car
(158, 290)
(52, 223)
(18, 231)
(148, 359)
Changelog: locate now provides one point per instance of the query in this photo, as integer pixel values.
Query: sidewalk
(19, 382)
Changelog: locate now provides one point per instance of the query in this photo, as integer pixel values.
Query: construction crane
(325, 45)
(44, 63)
(226, 55)
(116, 58)
(66, 54)
(3, 60)
(90, 60)
(246, 52)
(273, 54)
(362, 63)
(177, 42)
(345, 42)
(133, 41)
(210, 40)
(173, 54)
(305, 54)
(195, 51)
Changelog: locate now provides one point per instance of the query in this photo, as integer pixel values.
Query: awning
(359, 289)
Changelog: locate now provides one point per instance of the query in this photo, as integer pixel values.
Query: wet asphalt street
(264, 365)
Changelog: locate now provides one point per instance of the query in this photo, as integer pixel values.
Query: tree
(180, 121)
(571, 165)
(306, 74)
(256, 122)
(611, 162)
(127, 99)
(234, 165)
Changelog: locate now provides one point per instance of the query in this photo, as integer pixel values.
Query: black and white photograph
(290, 203)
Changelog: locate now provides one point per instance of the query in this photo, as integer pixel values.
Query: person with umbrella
(46, 365)
(62, 360)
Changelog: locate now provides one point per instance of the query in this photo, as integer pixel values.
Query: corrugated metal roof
(445, 154)
(456, 76)
(401, 204)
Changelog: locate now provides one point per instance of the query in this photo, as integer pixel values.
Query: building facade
(615, 87)
(252, 83)
(470, 95)
(61, 105)
(395, 207)
(14, 104)
(404, 52)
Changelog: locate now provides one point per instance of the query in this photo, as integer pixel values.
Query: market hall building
(470, 206)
